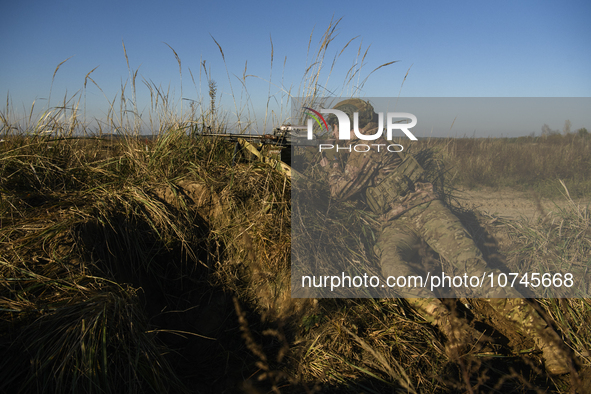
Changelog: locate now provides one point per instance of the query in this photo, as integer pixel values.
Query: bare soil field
(508, 203)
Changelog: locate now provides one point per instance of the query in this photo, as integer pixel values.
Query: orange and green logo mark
(317, 117)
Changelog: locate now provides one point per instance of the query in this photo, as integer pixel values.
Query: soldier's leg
(443, 231)
(397, 250)
(447, 236)
(528, 321)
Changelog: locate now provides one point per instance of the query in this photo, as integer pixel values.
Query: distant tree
(566, 128)
(583, 132)
(547, 131)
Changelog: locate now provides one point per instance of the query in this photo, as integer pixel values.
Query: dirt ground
(512, 204)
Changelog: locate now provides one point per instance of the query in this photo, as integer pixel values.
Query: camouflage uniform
(413, 213)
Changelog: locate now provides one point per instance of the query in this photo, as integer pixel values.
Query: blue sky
(456, 49)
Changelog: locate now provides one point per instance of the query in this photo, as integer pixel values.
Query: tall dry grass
(525, 163)
(155, 265)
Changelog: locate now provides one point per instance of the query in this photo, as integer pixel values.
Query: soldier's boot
(556, 359)
(459, 335)
(528, 321)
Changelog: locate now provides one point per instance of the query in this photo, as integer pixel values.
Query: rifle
(274, 149)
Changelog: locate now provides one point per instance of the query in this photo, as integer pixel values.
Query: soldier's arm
(355, 177)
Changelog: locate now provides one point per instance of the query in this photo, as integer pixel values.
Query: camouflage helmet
(349, 106)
